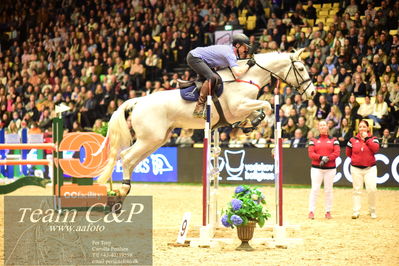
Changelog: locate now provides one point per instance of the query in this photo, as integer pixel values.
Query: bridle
(298, 76)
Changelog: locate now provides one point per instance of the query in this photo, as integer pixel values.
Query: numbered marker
(181, 238)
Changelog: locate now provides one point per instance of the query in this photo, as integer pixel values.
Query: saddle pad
(191, 93)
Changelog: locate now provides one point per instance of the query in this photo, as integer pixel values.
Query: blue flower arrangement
(247, 205)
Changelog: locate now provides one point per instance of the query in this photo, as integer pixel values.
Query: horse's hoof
(124, 190)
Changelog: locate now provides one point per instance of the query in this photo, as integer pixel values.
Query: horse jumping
(141, 125)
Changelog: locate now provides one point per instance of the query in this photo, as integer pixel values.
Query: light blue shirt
(216, 55)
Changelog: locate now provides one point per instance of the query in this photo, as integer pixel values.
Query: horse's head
(290, 69)
(298, 77)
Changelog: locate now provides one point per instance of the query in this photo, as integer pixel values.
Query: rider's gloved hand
(251, 62)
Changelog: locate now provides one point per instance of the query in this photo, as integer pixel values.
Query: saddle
(191, 89)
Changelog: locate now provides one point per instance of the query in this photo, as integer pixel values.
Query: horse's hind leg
(132, 156)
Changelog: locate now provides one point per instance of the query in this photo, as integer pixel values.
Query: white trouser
(368, 176)
(317, 176)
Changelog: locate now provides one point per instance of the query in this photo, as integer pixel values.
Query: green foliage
(102, 130)
(249, 204)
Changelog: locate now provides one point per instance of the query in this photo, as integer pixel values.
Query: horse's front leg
(248, 107)
(255, 104)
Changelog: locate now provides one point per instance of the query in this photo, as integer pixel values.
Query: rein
(296, 73)
(293, 67)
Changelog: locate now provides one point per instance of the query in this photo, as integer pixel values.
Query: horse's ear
(299, 52)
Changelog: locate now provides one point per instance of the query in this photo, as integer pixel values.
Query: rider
(203, 59)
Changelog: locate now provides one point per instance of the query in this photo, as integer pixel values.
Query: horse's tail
(118, 137)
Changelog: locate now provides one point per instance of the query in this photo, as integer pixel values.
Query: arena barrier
(81, 192)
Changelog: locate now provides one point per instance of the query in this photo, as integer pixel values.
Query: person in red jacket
(362, 149)
(323, 151)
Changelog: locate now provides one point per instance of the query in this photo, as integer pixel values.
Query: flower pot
(246, 233)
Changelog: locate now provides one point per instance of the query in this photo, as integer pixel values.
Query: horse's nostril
(312, 93)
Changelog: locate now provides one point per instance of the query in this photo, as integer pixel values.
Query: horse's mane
(294, 53)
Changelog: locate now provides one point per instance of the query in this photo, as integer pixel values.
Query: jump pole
(210, 184)
(207, 230)
(30, 180)
(280, 239)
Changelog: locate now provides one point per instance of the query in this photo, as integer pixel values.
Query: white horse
(147, 121)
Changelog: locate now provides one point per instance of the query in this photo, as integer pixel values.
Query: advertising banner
(161, 166)
(225, 36)
(253, 165)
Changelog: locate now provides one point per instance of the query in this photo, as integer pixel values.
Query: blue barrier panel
(2, 152)
(161, 166)
(24, 139)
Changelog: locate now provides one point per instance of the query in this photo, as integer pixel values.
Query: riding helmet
(240, 39)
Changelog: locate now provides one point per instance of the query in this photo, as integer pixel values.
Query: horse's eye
(300, 68)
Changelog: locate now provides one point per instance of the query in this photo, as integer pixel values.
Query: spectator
(136, 73)
(184, 139)
(354, 105)
(151, 63)
(45, 120)
(332, 129)
(323, 108)
(378, 66)
(289, 129)
(223, 139)
(370, 11)
(298, 103)
(148, 88)
(366, 108)
(266, 95)
(302, 41)
(343, 93)
(302, 125)
(311, 111)
(352, 8)
(345, 132)
(396, 136)
(76, 127)
(258, 141)
(394, 104)
(88, 110)
(380, 111)
(298, 141)
(287, 107)
(335, 115)
(311, 11)
(234, 139)
(386, 140)
(12, 128)
(373, 85)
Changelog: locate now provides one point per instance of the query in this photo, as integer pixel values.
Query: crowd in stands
(93, 55)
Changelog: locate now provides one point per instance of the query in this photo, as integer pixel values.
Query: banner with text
(253, 165)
